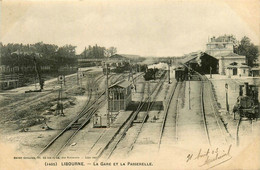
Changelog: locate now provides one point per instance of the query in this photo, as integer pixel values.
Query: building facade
(222, 48)
(235, 69)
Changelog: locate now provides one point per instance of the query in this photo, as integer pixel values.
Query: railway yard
(146, 85)
(180, 118)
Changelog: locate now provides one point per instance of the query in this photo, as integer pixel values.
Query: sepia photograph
(110, 84)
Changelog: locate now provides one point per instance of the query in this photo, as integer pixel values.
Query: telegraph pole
(149, 94)
(169, 74)
(189, 77)
(78, 76)
(61, 100)
(107, 96)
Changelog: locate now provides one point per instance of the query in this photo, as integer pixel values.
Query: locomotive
(247, 104)
(181, 73)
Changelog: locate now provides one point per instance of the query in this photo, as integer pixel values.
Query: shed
(119, 96)
(202, 62)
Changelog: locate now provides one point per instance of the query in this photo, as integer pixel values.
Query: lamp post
(226, 89)
(169, 81)
(210, 69)
(189, 77)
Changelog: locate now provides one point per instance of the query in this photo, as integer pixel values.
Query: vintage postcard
(149, 84)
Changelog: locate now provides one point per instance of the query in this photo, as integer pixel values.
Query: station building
(119, 96)
(237, 69)
(222, 48)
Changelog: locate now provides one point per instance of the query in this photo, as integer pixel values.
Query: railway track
(58, 143)
(125, 128)
(150, 104)
(211, 124)
(67, 133)
(80, 126)
(104, 131)
(107, 152)
(170, 119)
(88, 110)
(213, 127)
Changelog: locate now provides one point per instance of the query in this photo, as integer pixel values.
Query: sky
(146, 28)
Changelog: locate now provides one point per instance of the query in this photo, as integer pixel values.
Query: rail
(84, 111)
(139, 105)
(128, 125)
(150, 104)
(166, 114)
(204, 80)
(203, 111)
(80, 127)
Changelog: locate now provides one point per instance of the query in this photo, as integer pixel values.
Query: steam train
(183, 73)
(247, 104)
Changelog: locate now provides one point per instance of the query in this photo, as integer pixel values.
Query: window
(244, 71)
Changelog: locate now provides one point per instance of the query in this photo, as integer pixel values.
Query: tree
(248, 49)
(21, 55)
(112, 51)
(94, 52)
(66, 55)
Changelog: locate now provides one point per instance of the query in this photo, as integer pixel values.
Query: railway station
(105, 89)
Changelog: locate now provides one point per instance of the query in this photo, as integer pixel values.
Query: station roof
(229, 55)
(122, 84)
(195, 57)
(191, 56)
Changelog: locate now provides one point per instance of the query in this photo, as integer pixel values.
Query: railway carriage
(180, 74)
(247, 104)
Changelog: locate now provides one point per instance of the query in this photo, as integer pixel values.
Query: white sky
(154, 28)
